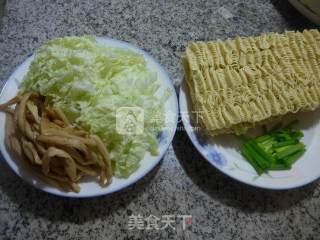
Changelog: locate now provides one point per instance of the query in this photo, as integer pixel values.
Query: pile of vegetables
(90, 82)
(277, 149)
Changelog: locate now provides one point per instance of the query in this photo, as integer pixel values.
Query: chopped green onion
(279, 166)
(285, 143)
(251, 160)
(288, 150)
(277, 149)
(263, 138)
(297, 135)
(261, 161)
(289, 160)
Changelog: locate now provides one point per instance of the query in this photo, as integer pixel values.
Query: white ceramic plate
(91, 188)
(312, 16)
(223, 152)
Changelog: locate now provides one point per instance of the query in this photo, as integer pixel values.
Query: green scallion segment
(277, 149)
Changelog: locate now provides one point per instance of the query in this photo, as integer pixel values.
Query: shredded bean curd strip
(59, 154)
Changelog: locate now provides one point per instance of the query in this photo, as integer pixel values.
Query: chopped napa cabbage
(90, 82)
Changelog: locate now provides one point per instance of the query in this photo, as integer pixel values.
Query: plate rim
(227, 173)
(145, 172)
(313, 17)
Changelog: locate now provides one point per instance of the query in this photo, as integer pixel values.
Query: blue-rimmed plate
(223, 152)
(91, 188)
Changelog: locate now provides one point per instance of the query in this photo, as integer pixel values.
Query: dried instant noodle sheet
(239, 83)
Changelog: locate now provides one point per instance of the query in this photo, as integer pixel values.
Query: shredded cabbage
(90, 82)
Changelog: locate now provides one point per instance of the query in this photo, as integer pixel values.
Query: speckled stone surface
(183, 183)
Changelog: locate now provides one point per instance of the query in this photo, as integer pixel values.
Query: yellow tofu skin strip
(239, 83)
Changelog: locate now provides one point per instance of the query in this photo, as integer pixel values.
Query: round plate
(223, 151)
(92, 188)
(304, 10)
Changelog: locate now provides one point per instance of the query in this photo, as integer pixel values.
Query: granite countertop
(183, 183)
